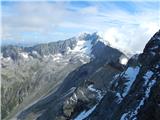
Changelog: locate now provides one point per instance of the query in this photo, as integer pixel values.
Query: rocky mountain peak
(89, 36)
(151, 52)
(153, 46)
(80, 44)
(133, 93)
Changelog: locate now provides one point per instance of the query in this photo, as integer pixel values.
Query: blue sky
(125, 24)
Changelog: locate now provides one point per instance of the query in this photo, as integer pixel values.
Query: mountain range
(81, 78)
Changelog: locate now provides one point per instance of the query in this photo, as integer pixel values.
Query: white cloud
(32, 17)
(134, 30)
(130, 38)
(89, 10)
(127, 30)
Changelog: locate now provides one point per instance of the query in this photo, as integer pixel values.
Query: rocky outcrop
(133, 94)
(151, 108)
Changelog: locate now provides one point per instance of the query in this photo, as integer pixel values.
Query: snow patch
(75, 96)
(57, 57)
(130, 74)
(153, 53)
(135, 112)
(157, 66)
(70, 91)
(123, 61)
(82, 93)
(7, 59)
(85, 114)
(35, 52)
(73, 99)
(83, 47)
(124, 117)
(99, 93)
(82, 61)
(119, 98)
(147, 92)
(45, 56)
(1, 55)
(155, 47)
(147, 76)
(24, 55)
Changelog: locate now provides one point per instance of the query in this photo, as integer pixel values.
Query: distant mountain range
(81, 78)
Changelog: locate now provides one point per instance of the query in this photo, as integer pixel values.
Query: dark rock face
(151, 109)
(134, 93)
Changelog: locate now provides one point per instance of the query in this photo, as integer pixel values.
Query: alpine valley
(81, 78)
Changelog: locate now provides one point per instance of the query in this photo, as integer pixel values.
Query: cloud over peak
(128, 25)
